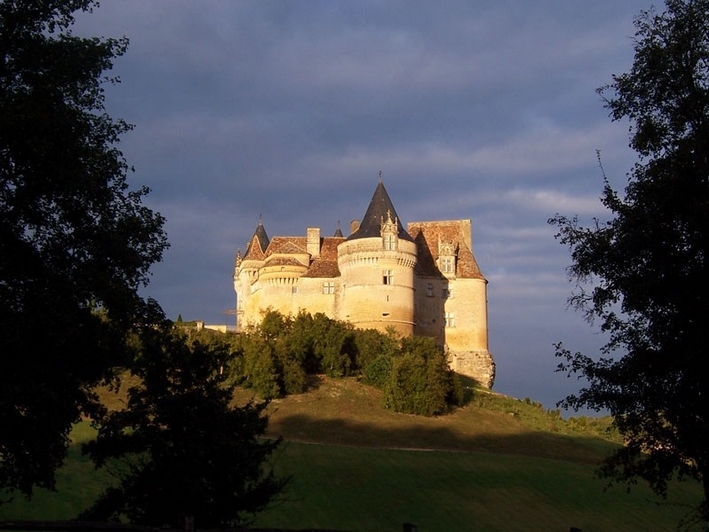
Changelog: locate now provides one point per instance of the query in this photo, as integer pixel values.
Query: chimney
(313, 246)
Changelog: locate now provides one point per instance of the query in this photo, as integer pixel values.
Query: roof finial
(380, 176)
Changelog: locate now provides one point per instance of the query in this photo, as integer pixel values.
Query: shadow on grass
(416, 433)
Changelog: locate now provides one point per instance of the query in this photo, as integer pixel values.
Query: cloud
(287, 111)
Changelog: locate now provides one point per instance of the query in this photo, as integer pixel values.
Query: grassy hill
(345, 412)
(496, 464)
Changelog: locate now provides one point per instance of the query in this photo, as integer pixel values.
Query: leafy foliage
(650, 262)
(374, 355)
(75, 243)
(420, 381)
(275, 358)
(179, 445)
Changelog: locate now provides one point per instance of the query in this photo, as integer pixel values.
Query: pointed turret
(256, 247)
(379, 211)
(376, 264)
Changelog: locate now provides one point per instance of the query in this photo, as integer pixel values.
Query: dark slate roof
(379, 209)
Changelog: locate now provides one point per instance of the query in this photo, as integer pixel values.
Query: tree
(375, 352)
(649, 264)
(179, 445)
(420, 381)
(75, 243)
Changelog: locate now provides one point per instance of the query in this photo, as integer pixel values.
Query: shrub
(420, 381)
(378, 371)
(261, 371)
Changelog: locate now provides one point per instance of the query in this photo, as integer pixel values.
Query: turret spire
(380, 208)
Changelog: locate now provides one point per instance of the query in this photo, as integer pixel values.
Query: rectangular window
(447, 264)
(449, 319)
(445, 292)
(294, 290)
(328, 287)
(389, 241)
(429, 289)
(388, 276)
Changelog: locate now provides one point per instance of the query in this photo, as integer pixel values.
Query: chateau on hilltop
(422, 280)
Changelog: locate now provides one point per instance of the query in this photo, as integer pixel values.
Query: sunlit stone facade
(422, 280)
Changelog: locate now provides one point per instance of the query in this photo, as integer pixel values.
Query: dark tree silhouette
(75, 243)
(180, 446)
(649, 265)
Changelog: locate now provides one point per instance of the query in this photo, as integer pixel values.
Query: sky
(286, 112)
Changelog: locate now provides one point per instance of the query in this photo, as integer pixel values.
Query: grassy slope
(344, 412)
(368, 489)
(509, 465)
(502, 465)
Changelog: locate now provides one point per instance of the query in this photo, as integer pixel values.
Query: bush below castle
(275, 358)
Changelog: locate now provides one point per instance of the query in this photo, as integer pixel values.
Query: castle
(422, 280)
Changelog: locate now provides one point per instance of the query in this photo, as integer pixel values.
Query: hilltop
(347, 412)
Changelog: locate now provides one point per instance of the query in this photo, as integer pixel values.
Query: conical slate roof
(380, 208)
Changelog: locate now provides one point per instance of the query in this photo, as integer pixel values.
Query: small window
(449, 319)
(294, 290)
(445, 292)
(389, 241)
(447, 264)
(328, 287)
(429, 289)
(388, 276)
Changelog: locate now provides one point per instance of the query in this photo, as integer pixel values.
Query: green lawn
(498, 464)
(78, 485)
(369, 489)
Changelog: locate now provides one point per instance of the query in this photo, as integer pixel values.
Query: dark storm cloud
(287, 111)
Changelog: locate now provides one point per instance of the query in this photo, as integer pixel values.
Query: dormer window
(389, 241)
(389, 230)
(446, 257)
(447, 264)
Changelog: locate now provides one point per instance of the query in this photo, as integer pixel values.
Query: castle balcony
(369, 252)
(248, 271)
(281, 270)
(248, 266)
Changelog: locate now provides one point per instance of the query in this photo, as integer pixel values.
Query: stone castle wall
(425, 282)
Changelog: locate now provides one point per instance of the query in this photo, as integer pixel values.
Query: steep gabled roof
(257, 245)
(428, 236)
(380, 208)
(287, 245)
(325, 265)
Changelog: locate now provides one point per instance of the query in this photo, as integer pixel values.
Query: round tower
(376, 265)
(246, 274)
